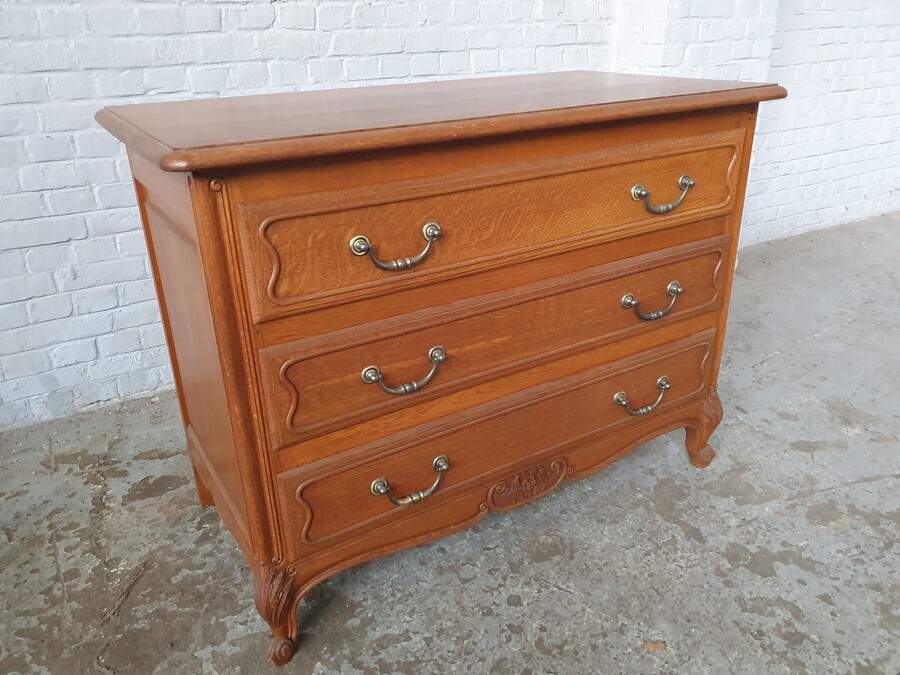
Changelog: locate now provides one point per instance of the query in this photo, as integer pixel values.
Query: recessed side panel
(192, 345)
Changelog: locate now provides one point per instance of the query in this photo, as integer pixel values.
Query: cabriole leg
(697, 435)
(277, 597)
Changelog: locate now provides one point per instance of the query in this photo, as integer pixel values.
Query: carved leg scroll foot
(697, 436)
(277, 598)
(281, 650)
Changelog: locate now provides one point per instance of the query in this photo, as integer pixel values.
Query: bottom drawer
(333, 499)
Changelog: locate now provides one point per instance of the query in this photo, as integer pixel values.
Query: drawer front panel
(314, 385)
(298, 251)
(334, 498)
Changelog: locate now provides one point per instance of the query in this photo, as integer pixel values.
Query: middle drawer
(315, 385)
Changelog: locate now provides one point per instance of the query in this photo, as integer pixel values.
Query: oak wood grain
(192, 344)
(435, 412)
(489, 218)
(208, 133)
(410, 301)
(468, 162)
(578, 459)
(314, 385)
(248, 206)
(520, 427)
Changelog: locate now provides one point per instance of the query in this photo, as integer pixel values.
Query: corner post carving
(277, 597)
(698, 433)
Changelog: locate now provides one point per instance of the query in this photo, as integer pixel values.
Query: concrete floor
(782, 557)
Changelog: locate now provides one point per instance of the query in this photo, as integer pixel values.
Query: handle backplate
(372, 374)
(674, 289)
(621, 399)
(639, 192)
(381, 487)
(360, 246)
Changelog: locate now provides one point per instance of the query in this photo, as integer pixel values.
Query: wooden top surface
(221, 132)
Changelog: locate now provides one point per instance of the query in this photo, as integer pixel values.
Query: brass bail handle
(639, 192)
(674, 289)
(372, 374)
(621, 398)
(360, 246)
(381, 487)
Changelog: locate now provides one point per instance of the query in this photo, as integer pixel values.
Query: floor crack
(122, 596)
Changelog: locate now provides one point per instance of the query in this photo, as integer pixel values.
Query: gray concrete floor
(782, 557)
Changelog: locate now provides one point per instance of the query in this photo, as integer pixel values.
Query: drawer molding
(545, 471)
(544, 281)
(295, 483)
(474, 179)
(284, 583)
(308, 349)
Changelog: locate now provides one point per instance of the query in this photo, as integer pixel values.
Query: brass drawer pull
(371, 374)
(622, 399)
(639, 192)
(380, 485)
(360, 246)
(629, 301)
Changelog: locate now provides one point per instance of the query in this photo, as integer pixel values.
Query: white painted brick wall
(78, 317)
(831, 153)
(828, 154)
(79, 321)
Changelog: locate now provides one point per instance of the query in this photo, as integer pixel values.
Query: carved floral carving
(527, 485)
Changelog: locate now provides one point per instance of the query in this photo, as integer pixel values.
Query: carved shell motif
(526, 486)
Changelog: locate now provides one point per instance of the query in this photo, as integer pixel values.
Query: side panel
(164, 201)
(749, 127)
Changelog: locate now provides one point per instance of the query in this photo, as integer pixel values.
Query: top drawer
(303, 253)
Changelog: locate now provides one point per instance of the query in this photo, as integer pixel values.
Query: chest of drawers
(393, 310)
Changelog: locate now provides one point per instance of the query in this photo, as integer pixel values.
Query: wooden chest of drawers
(393, 310)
